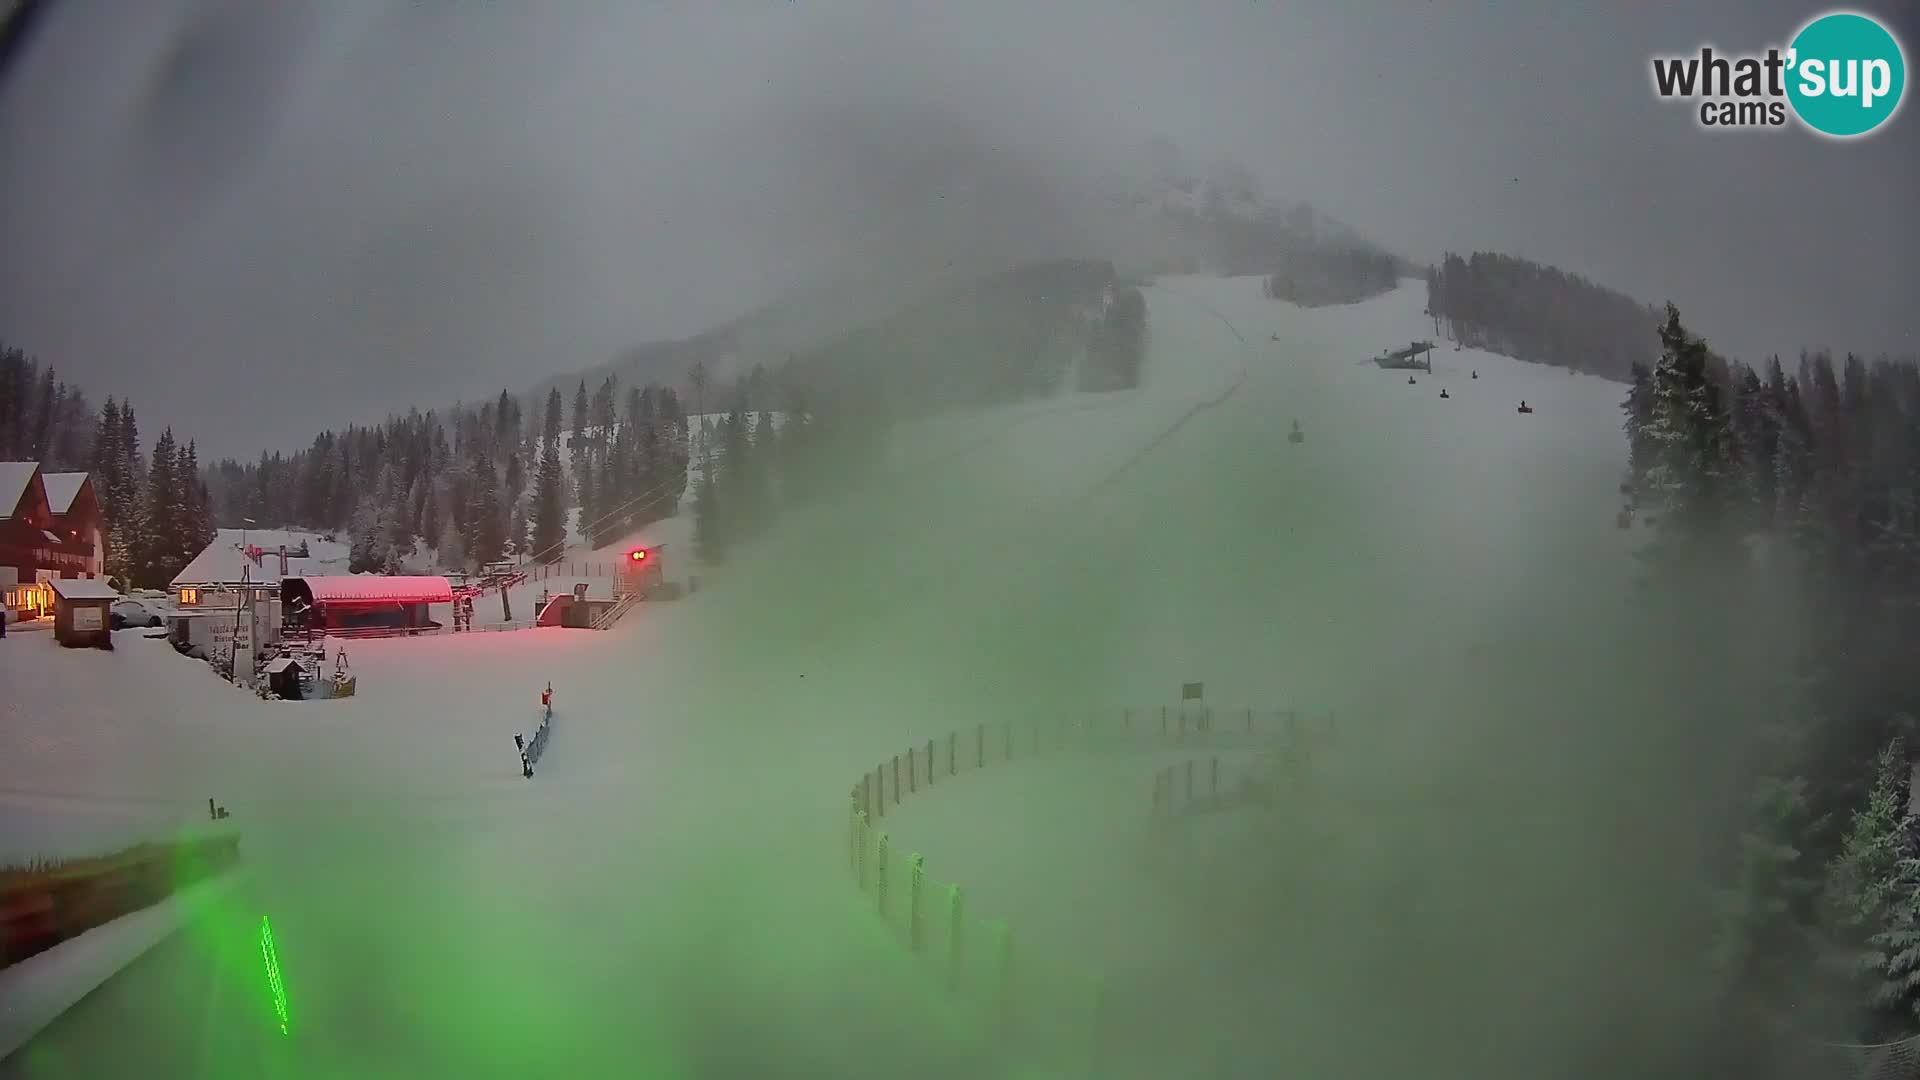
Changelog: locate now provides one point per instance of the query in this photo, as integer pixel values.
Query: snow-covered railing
(532, 749)
(606, 619)
(1048, 1011)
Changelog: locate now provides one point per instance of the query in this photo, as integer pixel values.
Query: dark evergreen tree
(163, 520)
(577, 460)
(518, 541)
(709, 537)
(1688, 476)
(549, 509)
(486, 530)
(113, 487)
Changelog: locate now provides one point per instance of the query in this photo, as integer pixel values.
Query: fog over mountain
(210, 205)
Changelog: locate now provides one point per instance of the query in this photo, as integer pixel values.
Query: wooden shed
(83, 612)
(283, 677)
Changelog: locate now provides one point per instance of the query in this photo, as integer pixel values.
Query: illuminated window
(189, 596)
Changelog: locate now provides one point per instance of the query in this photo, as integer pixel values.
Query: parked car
(128, 613)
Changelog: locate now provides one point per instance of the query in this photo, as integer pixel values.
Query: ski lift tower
(639, 572)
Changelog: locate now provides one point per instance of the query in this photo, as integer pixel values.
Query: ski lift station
(362, 603)
(1417, 356)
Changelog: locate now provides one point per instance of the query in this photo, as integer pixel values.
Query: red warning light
(638, 556)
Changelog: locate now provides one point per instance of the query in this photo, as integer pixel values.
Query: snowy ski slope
(666, 891)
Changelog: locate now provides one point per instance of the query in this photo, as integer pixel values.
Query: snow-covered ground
(669, 889)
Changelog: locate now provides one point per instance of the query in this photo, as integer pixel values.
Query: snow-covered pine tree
(1892, 958)
(577, 456)
(365, 552)
(419, 494)
(1861, 880)
(518, 541)
(1638, 408)
(737, 512)
(1688, 479)
(433, 524)
(196, 522)
(549, 508)
(486, 530)
(616, 483)
(396, 535)
(112, 484)
(514, 479)
(1761, 946)
(1756, 440)
(586, 481)
(601, 417)
(709, 535)
(129, 547)
(162, 528)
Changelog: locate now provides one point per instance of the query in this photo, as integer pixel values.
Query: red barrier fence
(42, 906)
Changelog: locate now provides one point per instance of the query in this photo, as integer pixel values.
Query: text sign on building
(86, 618)
(1190, 691)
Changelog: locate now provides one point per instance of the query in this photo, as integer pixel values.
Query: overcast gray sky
(260, 218)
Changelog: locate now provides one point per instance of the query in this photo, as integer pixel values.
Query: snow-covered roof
(280, 664)
(225, 560)
(396, 589)
(61, 489)
(83, 589)
(14, 478)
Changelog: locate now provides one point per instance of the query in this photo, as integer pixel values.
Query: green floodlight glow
(272, 959)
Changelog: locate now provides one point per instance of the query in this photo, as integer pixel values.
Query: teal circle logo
(1846, 75)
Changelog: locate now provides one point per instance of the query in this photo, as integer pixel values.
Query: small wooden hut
(83, 612)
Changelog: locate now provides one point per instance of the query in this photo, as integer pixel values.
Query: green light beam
(272, 960)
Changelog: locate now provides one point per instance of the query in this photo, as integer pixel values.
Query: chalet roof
(14, 478)
(62, 487)
(224, 561)
(378, 587)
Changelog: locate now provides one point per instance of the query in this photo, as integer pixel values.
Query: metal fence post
(914, 875)
(1005, 979)
(913, 783)
(930, 769)
(953, 753)
(1182, 737)
(880, 789)
(1189, 779)
(860, 849)
(1097, 1029)
(1213, 782)
(954, 923)
(1163, 719)
(880, 879)
(1249, 719)
(896, 779)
